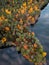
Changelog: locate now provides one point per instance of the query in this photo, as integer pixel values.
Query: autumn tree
(15, 18)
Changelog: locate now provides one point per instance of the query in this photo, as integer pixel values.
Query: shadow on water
(9, 56)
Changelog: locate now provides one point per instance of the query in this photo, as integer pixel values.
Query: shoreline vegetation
(15, 19)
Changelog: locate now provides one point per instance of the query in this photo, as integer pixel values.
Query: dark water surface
(41, 30)
(9, 56)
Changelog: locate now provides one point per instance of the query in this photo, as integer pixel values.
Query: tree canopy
(15, 19)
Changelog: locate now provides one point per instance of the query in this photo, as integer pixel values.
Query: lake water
(9, 56)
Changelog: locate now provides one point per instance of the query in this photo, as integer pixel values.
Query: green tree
(15, 19)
